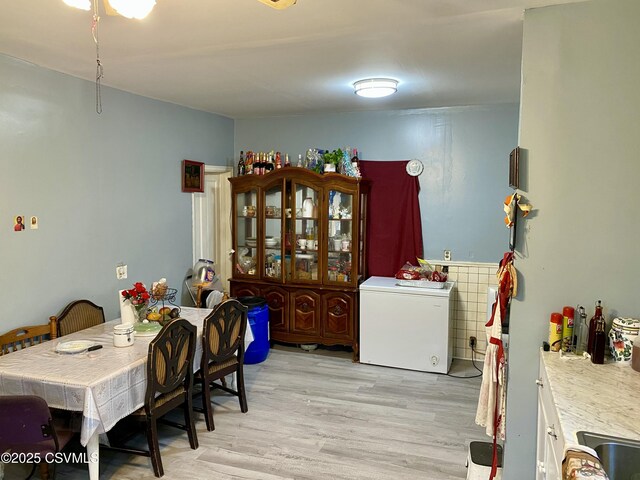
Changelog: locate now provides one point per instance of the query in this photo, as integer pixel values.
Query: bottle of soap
(592, 326)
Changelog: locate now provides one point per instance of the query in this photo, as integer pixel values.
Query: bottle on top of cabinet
(241, 165)
(592, 326)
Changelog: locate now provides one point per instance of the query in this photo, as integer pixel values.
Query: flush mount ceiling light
(127, 8)
(375, 87)
(130, 8)
(279, 4)
(81, 4)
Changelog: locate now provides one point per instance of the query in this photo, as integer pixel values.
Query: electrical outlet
(447, 255)
(472, 341)
(121, 272)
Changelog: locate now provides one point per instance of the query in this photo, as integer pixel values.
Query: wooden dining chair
(78, 315)
(24, 337)
(169, 385)
(222, 354)
(26, 428)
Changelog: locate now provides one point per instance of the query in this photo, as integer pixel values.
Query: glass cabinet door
(305, 231)
(339, 237)
(272, 233)
(246, 248)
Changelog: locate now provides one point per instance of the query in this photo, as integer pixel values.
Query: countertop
(595, 398)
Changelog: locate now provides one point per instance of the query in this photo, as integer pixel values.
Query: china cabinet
(299, 242)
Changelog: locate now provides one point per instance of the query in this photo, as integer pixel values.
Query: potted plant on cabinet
(332, 160)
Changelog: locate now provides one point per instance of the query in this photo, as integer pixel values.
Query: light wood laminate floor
(317, 415)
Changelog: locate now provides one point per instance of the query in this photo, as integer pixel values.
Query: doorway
(212, 222)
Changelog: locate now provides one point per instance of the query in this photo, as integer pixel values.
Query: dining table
(106, 384)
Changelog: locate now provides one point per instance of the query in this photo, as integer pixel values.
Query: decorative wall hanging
(192, 176)
(514, 173)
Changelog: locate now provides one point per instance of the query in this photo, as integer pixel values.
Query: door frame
(211, 215)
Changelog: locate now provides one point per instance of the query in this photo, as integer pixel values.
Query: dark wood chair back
(222, 354)
(223, 333)
(78, 315)
(24, 337)
(170, 364)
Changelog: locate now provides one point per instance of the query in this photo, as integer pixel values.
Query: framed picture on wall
(192, 176)
(514, 174)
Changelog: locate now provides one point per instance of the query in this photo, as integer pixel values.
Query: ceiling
(241, 58)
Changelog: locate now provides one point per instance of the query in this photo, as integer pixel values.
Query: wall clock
(414, 167)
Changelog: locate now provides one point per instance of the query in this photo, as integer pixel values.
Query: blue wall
(464, 150)
(106, 188)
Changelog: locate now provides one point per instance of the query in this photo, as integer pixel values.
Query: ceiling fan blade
(279, 4)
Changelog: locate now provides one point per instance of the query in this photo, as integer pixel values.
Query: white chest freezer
(406, 327)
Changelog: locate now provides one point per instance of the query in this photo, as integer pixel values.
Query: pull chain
(99, 70)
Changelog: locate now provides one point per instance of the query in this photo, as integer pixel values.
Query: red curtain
(394, 228)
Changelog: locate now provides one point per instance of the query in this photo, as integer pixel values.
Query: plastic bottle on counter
(592, 326)
(580, 331)
(599, 342)
(567, 328)
(555, 331)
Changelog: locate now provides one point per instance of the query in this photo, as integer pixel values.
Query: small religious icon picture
(18, 223)
(34, 223)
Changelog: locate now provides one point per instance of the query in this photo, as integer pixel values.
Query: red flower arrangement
(138, 295)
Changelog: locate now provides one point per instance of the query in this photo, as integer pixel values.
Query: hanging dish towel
(491, 403)
(493, 390)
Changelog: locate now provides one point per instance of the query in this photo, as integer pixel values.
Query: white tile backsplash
(470, 306)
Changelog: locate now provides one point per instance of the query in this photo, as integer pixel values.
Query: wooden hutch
(299, 242)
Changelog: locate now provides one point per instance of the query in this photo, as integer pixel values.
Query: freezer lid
(388, 284)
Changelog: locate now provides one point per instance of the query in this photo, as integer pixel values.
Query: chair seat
(216, 367)
(162, 399)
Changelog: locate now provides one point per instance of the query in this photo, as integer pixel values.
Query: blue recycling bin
(258, 322)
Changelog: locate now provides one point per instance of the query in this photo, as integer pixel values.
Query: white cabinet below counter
(550, 442)
(576, 395)
(406, 327)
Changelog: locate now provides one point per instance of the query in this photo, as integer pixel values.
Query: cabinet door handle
(539, 382)
(541, 467)
(551, 431)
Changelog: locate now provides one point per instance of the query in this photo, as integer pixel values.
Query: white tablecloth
(105, 385)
